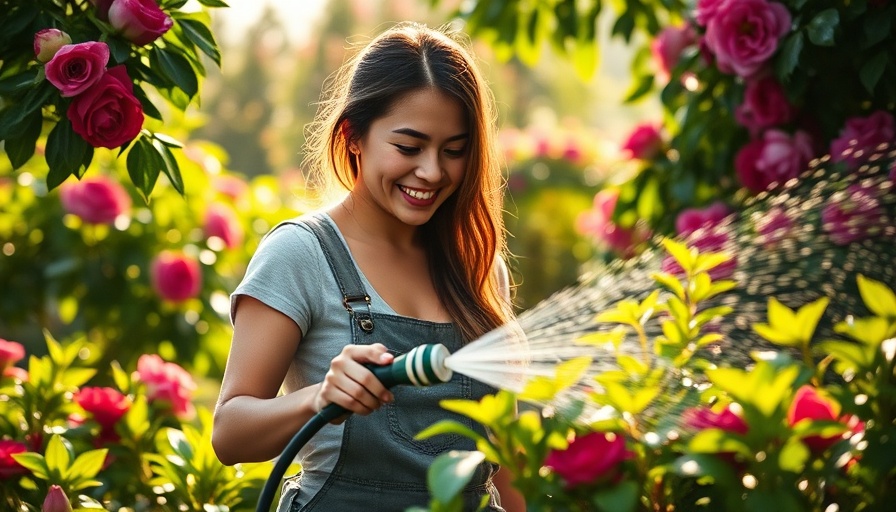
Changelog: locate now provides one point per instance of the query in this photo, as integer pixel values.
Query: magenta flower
(765, 105)
(11, 352)
(773, 160)
(108, 114)
(644, 142)
(221, 221)
(9, 467)
(56, 501)
(743, 34)
(107, 405)
(706, 11)
(598, 224)
(97, 200)
(809, 405)
(74, 68)
(702, 418)
(139, 21)
(855, 216)
(595, 457)
(668, 45)
(692, 219)
(167, 383)
(860, 136)
(176, 276)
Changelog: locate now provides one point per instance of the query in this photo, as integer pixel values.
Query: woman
(411, 255)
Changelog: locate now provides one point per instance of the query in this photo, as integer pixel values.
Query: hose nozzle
(423, 365)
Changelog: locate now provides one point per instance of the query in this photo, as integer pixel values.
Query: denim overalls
(381, 467)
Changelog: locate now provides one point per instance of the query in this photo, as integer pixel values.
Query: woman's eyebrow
(422, 136)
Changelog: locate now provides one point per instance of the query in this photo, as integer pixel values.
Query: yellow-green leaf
(879, 298)
(681, 253)
(670, 282)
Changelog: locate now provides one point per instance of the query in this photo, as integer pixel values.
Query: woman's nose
(429, 167)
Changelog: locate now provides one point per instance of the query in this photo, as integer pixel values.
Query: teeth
(418, 194)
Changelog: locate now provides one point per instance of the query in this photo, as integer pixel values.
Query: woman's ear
(346, 130)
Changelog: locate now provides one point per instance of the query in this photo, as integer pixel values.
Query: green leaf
(144, 165)
(488, 411)
(448, 427)
(450, 472)
(622, 497)
(670, 282)
(640, 88)
(715, 440)
(821, 28)
(870, 331)
(879, 298)
(88, 464)
(20, 148)
(171, 168)
(698, 465)
(213, 3)
(681, 253)
(200, 34)
(176, 68)
(789, 56)
(67, 154)
(35, 462)
(872, 70)
(59, 456)
(34, 100)
(793, 456)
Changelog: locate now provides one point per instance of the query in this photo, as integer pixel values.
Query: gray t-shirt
(290, 273)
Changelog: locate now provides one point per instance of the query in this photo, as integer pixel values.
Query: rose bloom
(108, 115)
(97, 200)
(56, 501)
(102, 8)
(176, 276)
(107, 405)
(9, 468)
(598, 224)
(77, 67)
(774, 226)
(860, 136)
(692, 219)
(11, 352)
(773, 160)
(668, 45)
(706, 10)
(644, 142)
(592, 458)
(809, 404)
(765, 105)
(48, 41)
(702, 418)
(166, 382)
(854, 217)
(744, 34)
(139, 21)
(221, 221)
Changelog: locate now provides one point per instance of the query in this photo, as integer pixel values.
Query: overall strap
(343, 267)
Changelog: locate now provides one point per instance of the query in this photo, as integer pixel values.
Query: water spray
(423, 365)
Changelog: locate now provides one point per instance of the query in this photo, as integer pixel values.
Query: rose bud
(176, 276)
(139, 21)
(48, 41)
(56, 501)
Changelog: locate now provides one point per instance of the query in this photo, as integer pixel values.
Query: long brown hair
(465, 237)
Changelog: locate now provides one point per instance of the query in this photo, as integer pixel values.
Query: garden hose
(421, 366)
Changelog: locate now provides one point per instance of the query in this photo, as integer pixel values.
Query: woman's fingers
(351, 385)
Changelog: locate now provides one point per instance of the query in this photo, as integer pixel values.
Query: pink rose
(855, 216)
(108, 115)
(221, 221)
(102, 8)
(706, 10)
(97, 200)
(702, 418)
(9, 468)
(773, 160)
(230, 186)
(11, 352)
(175, 276)
(744, 34)
(644, 142)
(809, 405)
(592, 458)
(765, 105)
(76, 67)
(668, 45)
(692, 219)
(139, 21)
(774, 226)
(56, 501)
(48, 41)
(598, 224)
(861, 136)
(107, 405)
(168, 383)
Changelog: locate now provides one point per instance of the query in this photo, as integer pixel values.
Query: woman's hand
(351, 385)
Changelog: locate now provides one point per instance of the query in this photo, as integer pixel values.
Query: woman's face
(415, 157)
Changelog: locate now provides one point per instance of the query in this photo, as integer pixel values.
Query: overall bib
(381, 467)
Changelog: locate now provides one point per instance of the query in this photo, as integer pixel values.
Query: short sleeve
(285, 274)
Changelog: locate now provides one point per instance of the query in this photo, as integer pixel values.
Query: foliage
(701, 436)
(67, 93)
(119, 447)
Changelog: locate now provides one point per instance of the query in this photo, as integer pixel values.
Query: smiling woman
(411, 255)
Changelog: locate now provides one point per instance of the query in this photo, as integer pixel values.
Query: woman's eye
(408, 150)
(456, 152)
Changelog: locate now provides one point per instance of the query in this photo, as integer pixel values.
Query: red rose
(667, 47)
(773, 160)
(592, 458)
(139, 21)
(11, 352)
(765, 105)
(644, 142)
(861, 136)
(108, 114)
(175, 276)
(9, 468)
(166, 382)
(221, 221)
(702, 418)
(692, 219)
(706, 10)
(74, 68)
(97, 200)
(48, 41)
(744, 34)
(808, 404)
(107, 405)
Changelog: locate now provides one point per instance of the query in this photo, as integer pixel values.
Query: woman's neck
(368, 223)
